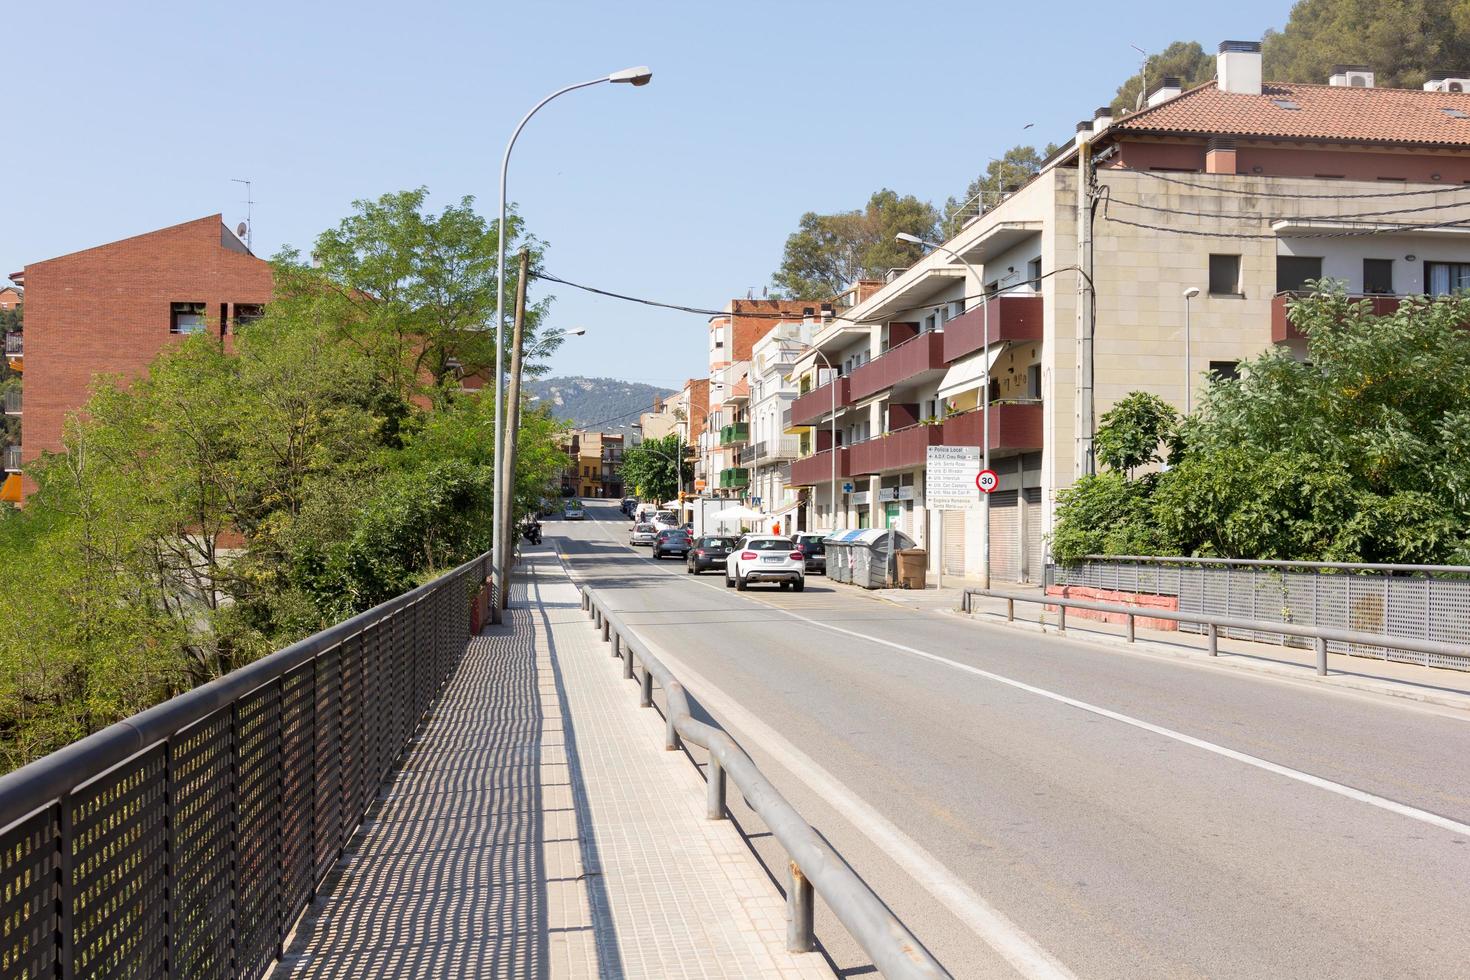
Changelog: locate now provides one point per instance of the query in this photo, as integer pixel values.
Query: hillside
(595, 403)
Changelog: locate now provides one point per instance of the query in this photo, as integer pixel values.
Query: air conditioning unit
(1446, 82)
(1351, 76)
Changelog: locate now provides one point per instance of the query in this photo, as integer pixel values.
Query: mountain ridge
(607, 404)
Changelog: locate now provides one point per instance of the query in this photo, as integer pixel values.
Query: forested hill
(595, 403)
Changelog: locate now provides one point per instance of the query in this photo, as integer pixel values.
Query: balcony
(817, 468)
(735, 434)
(14, 345)
(816, 404)
(772, 450)
(911, 361)
(734, 478)
(900, 449)
(1282, 329)
(1015, 426)
(12, 401)
(1011, 318)
(12, 459)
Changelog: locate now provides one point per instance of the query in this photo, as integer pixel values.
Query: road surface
(1035, 806)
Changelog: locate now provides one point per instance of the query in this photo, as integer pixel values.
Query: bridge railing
(186, 840)
(813, 866)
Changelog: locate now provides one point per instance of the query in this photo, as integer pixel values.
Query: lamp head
(578, 332)
(640, 75)
(1191, 292)
(904, 236)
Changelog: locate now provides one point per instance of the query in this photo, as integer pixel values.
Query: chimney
(1238, 67)
(1220, 156)
(1166, 89)
(1351, 76)
(1102, 119)
(1084, 130)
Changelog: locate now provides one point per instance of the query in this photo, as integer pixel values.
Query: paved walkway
(537, 828)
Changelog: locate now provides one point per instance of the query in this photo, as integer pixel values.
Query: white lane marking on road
(1341, 789)
(1018, 949)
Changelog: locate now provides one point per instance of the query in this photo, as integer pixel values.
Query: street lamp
(904, 236)
(1189, 294)
(638, 76)
(831, 380)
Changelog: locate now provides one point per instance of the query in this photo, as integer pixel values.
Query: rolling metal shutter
(954, 542)
(1035, 534)
(1005, 531)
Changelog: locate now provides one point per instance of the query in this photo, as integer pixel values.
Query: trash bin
(913, 567)
(861, 556)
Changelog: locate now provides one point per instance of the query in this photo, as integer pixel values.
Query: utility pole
(1084, 463)
(512, 430)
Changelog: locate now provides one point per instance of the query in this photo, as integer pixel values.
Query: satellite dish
(240, 229)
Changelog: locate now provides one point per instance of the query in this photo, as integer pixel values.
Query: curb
(1300, 675)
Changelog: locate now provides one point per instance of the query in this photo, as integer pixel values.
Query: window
(186, 318)
(1033, 381)
(930, 322)
(247, 313)
(1285, 104)
(1033, 273)
(1224, 370)
(1224, 275)
(1444, 278)
(1378, 276)
(1293, 272)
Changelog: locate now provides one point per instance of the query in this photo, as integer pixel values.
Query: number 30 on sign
(986, 480)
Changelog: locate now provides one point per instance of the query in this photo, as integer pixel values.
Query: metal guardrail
(1319, 635)
(186, 840)
(1345, 566)
(813, 866)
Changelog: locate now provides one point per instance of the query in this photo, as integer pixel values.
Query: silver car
(643, 534)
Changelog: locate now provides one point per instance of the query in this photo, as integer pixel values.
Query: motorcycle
(532, 532)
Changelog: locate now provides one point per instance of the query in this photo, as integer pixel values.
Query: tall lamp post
(831, 380)
(984, 396)
(630, 76)
(1189, 294)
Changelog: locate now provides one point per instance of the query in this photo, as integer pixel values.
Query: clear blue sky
(134, 116)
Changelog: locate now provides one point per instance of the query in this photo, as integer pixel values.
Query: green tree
(1013, 168)
(649, 468)
(1402, 40)
(1130, 433)
(829, 252)
(1185, 60)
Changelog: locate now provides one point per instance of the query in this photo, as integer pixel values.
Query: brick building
(112, 308)
(11, 297)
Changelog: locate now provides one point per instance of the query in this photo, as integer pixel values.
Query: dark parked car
(815, 551)
(672, 541)
(709, 553)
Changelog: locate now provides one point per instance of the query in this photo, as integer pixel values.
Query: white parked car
(766, 558)
(643, 534)
(665, 519)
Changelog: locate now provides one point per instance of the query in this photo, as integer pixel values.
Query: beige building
(1239, 189)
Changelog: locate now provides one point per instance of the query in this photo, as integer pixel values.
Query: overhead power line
(1171, 179)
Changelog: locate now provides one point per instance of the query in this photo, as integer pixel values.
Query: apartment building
(11, 297)
(1240, 189)
(660, 422)
(767, 454)
(594, 464)
(111, 309)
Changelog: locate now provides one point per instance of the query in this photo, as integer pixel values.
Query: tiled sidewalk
(538, 829)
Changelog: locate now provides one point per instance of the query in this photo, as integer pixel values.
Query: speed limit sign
(986, 480)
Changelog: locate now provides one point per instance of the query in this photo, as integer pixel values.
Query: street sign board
(847, 488)
(987, 481)
(949, 477)
(699, 486)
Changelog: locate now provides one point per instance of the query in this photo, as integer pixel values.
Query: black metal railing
(186, 840)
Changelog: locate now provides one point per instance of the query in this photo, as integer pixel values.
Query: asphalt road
(1039, 806)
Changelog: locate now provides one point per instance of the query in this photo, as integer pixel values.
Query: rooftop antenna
(249, 215)
(1143, 73)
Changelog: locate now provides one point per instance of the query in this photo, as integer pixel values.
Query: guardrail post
(645, 695)
(671, 735)
(1010, 610)
(1130, 627)
(1214, 635)
(1321, 643)
(627, 663)
(1061, 619)
(715, 791)
(617, 645)
(606, 629)
(799, 909)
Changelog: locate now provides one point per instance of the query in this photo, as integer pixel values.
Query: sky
(127, 117)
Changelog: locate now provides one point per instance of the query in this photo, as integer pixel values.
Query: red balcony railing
(900, 449)
(1013, 426)
(817, 403)
(817, 468)
(915, 356)
(1011, 318)
(1282, 329)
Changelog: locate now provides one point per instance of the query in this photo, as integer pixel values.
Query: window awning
(966, 373)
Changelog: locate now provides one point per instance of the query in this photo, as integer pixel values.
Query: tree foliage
(649, 468)
(1013, 168)
(1360, 452)
(1402, 40)
(228, 503)
(1185, 60)
(1130, 433)
(828, 252)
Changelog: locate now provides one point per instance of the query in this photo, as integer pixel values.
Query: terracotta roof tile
(1330, 112)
